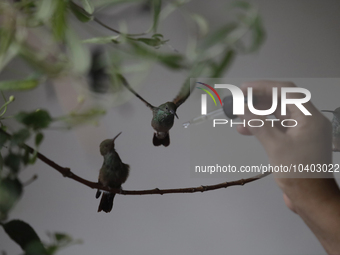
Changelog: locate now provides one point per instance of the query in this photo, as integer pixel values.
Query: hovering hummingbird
(112, 174)
(336, 128)
(99, 77)
(163, 115)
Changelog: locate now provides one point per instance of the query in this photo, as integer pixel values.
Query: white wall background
(302, 41)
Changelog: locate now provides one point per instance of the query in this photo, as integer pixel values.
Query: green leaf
(7, 32)
(81, 14)
(13, 162)
(201, 23)
(258, 35)
(3, 139)
(20, 137)
(157, 6)
(75, 119)
(173, 61)
(26, 157)
(61, 237)
(242, 5)
(225, 62)
(219, 35)
(45, 10)
(19, 84)
(1, 163)
(154, 42)
(36, 120)
(59, 23)
(38, 139)
(10, 53)
(88, 6)
(25, 236)
(10, 192)
(102, 40)
(79, 55)
(52, 249)
(33, 158)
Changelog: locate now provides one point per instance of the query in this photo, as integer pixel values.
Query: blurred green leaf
(38, 138)
(155, 41)
(201, 23)
(157, 6)
(10, 192)
(242, 5)
(10, 53)
(3, 139)
(59, 240)
(12, 161)
(36, 120)
(81, 14)
(19, 84)
(228, 57)
(45, 10)
(33, 158)
(6, 38)
(25, 236)
(20, 136)
(59, 22)
(62, 237)
(258, 35)
(75, 119)
(88, 6)
(34, 60)
(79, 55)
(173, 61)
(1, 164)
(102, 40)
(52, 249)
(219, 35)
(26, 157)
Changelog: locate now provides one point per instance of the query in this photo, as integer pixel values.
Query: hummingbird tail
(106, 203)
(157, 141)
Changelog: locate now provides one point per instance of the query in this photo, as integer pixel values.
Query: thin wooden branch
(194, 189)
(102, 23)
(66, 172)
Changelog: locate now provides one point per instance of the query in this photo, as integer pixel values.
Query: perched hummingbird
(112, 174)
(336, 128)
(163, 115)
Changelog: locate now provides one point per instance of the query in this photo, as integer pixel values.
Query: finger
(263, 91)
(265, 131)
(243, 130)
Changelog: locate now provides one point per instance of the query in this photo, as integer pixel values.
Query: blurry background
(302, 41)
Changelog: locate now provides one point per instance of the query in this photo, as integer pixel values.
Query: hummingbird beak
(113, 140)
(327, 111)
(174, 113)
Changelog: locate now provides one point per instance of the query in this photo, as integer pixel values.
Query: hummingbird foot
(98, 193)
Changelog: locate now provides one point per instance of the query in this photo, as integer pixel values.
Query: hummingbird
(163, 116)
(99, 78)
(112, 174)
(336, 128)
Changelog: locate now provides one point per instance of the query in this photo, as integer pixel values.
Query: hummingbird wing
(127, 85)
(183, 94)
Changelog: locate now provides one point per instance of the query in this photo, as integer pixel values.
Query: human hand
(316, 200)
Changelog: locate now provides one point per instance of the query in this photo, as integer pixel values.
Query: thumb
(262, 128)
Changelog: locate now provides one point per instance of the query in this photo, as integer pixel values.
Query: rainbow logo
(208, 92)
